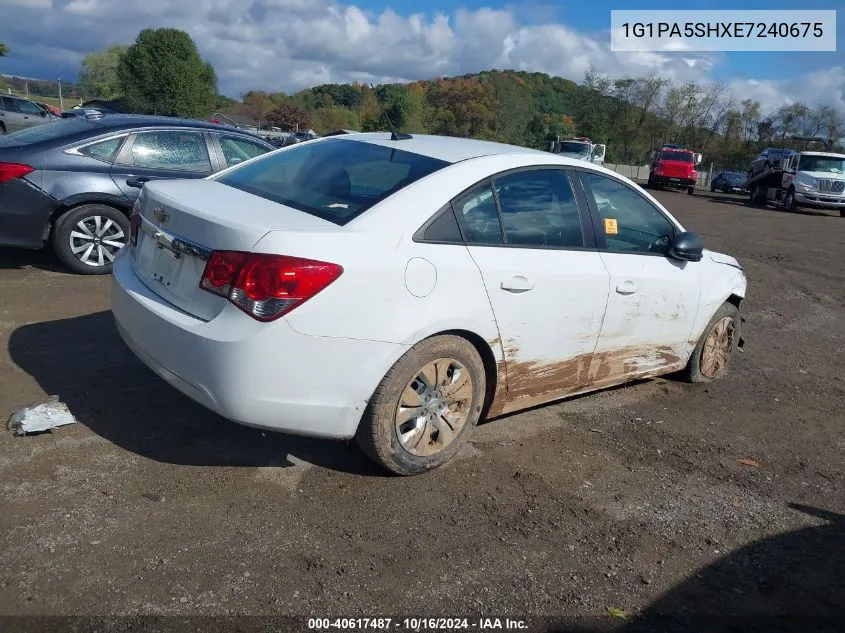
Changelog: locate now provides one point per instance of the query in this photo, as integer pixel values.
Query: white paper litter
(40, 417)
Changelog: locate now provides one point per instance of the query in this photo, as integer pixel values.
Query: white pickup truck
(802, 179)
(580, 148)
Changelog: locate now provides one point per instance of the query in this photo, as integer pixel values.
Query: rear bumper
(25, 213)
(820, 200)
(259, 374)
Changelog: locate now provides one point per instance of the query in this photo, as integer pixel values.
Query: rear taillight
(266, 286)
(10, 171)
(220, 271)
(135, 222)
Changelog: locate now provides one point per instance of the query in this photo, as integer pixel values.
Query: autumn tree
(162, 72)
(290, 117)
(4, 50)
(462, 107)
(98, 77)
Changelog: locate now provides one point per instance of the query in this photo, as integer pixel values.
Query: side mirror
(43, 113)
(687, 247)
(698, 159)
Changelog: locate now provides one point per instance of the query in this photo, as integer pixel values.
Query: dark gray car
(72, 183)
(18, 114)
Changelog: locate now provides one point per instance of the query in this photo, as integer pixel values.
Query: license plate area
(167, 265)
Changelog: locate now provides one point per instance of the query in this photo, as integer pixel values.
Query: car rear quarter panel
(378, 298)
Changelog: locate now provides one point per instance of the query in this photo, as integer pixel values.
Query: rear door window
(334, 179)
(538, 209)
(171, 150)
(9, 104)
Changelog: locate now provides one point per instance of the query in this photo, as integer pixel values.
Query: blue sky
(290, 44)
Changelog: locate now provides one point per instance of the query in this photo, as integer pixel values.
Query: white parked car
(399, 289)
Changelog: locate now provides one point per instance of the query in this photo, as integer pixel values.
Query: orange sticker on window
(610, 226)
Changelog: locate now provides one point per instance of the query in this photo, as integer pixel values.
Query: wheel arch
(488, 358)
(735, 300)
(493, 367)
(73, 202)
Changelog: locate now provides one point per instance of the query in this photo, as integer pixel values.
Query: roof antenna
(394, 135)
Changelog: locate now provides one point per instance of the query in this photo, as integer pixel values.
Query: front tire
(714, 354)
(691, 191)
(789, 201)
(87, 238)
(426, 406)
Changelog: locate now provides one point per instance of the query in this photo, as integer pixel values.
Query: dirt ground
(630, 501)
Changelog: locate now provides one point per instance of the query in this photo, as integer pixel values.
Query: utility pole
(61, 100)
(26, 87)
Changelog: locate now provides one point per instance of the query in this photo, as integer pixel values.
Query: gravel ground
(629, 502)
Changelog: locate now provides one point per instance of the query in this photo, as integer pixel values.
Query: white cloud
(290, 44)
(820, 87)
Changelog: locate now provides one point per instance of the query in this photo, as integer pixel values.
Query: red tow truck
(674, 166)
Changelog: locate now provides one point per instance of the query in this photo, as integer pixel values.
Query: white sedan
(398, 289)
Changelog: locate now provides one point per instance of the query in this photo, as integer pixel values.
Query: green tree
(334, 118)
(4, 50)
(98, 77)
(162, 72)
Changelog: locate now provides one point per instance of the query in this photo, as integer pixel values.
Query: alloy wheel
(96, 240)
(434, 407)
(718, 348)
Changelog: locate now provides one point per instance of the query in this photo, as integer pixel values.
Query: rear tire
(401, 429)
(87, 238)
(755, 196)
(714, 354)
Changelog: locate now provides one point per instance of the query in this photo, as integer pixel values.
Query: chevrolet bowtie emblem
(161, 216)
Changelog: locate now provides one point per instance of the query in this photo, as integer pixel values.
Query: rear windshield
(48, 132)
(334, 179)
(733, 176)
(684, 157)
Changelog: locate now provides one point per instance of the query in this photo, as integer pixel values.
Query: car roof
(122, 121)
(446, 148)
(103, 125)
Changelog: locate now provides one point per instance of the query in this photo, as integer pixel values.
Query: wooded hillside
(630, 115)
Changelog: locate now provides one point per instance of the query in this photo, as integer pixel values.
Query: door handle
(137, 182)
(518, 283)
(627, 287)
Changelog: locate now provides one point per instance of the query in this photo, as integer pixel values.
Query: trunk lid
(183, 221)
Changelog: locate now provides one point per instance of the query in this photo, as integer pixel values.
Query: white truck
(801, 179)
(580, 148)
